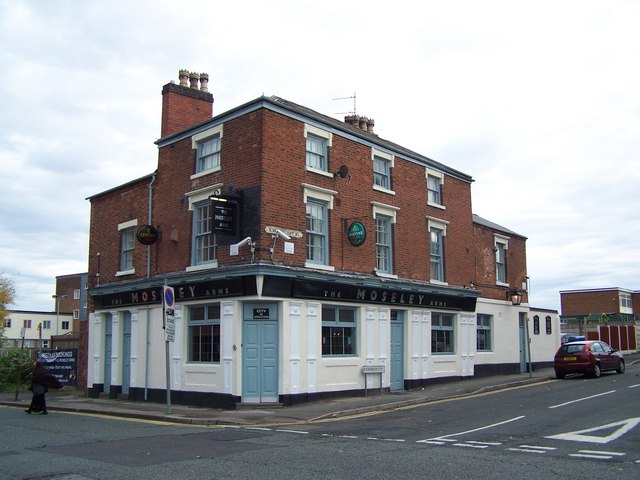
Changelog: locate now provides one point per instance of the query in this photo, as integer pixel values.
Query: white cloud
(537, 101)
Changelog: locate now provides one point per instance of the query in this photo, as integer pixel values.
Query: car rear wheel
(621, 367)
(596, 370)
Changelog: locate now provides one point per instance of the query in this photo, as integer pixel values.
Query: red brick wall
(485, 263)
(263, 156)
(584, 303)
(107, 211)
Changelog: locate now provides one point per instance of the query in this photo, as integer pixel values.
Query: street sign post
(168, 299)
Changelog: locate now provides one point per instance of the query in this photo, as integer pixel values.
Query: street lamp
(58, 297)
(515, 296)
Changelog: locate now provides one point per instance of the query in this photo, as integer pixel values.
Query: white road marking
(491, 444)
(582, 399)
(299, 432)
(469, 446)
(597, 455)
(474, 430)
(526, 450)
(634, 386)
(577, 436)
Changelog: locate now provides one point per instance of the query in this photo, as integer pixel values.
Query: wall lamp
(514, 296)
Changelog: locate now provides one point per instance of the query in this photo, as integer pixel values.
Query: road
(588, 427)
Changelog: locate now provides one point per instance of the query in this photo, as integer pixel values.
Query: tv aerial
(348, 98)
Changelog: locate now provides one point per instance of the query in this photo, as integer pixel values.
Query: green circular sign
(357, 234)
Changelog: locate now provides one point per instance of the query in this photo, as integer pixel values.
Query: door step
(258, 406)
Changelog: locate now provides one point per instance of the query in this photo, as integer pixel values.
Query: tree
(7, 294)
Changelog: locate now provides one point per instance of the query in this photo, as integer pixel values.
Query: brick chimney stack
(185, 105)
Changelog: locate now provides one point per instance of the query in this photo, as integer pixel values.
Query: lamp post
(515, 297)
(58, 297)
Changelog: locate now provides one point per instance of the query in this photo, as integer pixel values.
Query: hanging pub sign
(356, 234)
(225, 213)
(147, 234)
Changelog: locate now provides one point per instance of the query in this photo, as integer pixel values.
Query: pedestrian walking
(41, 382)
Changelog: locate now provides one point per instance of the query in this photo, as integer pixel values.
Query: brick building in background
(608, 314)
(301, 249)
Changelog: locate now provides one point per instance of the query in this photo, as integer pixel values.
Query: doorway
(397, 351)
(260, 353)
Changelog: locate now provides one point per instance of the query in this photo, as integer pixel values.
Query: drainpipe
(146, 350)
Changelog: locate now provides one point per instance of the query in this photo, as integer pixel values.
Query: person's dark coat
(41, 382)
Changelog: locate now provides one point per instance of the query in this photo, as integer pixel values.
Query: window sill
(206, 172)
(385, 275)
(383, 190)
(122, 273)
(319, 266)
(204, 266)
(438, 282)
(437, 205)
(318, 171)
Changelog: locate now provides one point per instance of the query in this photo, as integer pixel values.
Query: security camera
(246, 241)
(283, 235)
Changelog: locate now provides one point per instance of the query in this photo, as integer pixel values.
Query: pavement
(72, 400)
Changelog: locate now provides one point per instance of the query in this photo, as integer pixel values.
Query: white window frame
(390, 212)
(326, 196)
(200, 138)
(484, 328)
(196, 197)
(440, 176)
(441, 225)
(388, 157)
(501, 245)
(122, 227)
(328, 138)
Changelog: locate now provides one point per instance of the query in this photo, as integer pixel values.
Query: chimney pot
(370, 125)
(204, 82)
(183, 75)
(193, 80)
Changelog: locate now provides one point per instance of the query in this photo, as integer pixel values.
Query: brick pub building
(303, 252)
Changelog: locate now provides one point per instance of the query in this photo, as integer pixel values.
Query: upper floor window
(46, 324)
(434, 188)
(318, 203)
(437, 233)
(208, 145)
(338, 330)
(203, 243)
(204, 240)
(7, 323)
(382, 165)
(483, 335)
(127, 246)
(317, 232)
(500, 246)
(76, 314)
(318, 143)
(547, 321)
(625, 301)
(204, 333)
(442, 333)
(76, 294)
(27, 324)
(385, 217)
(383, 244)
(65, 325)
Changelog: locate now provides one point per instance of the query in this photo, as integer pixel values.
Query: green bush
(10, 363)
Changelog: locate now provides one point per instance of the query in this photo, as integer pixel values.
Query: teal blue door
(523, 342)
(397, 351)
(108, 342)
(260, 353)
(126, 353)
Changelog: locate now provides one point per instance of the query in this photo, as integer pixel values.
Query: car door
(609, 358)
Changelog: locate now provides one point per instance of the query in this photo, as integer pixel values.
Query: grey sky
(538, 101)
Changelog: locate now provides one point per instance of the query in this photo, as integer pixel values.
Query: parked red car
(590, 357)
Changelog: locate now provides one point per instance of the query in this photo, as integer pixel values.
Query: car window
(572, 348)
(605, 347)
(596, 347)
